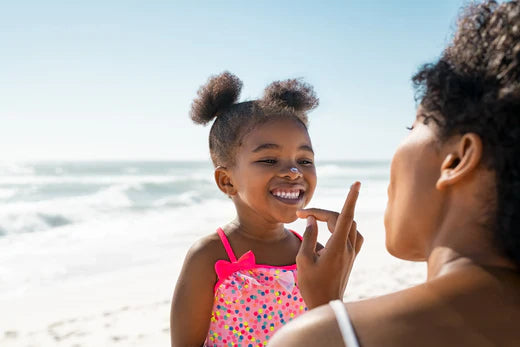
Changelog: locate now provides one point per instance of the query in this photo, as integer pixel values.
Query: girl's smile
(290, 195)
(274, 174)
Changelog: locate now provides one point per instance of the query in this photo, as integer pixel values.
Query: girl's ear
(224, 181)
(462, 161)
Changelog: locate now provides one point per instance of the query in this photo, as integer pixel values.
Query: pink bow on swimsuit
(224, 268)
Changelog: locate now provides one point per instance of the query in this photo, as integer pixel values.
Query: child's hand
(323, 274)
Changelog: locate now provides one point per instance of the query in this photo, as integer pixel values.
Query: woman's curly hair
(218, 99)
(475, 87)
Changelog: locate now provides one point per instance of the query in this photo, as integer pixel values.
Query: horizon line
(164, 160)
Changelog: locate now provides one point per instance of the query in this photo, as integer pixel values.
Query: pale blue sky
(115, 79)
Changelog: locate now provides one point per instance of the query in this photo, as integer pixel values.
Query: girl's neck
(263, 232)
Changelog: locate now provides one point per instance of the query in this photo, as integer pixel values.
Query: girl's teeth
(286, 195)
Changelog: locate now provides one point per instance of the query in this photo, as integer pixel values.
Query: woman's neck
(461, 243)
(462, 237)
(444, 260)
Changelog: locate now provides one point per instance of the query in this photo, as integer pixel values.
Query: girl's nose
(293, 173)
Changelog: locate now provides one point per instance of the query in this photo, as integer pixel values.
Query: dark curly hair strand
(475, 87)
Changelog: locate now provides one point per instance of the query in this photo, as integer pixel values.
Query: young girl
(238, 285)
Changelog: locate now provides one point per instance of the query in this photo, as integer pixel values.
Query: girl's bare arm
(193, 297)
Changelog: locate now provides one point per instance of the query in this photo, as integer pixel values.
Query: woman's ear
(224, 181)
(461, 161)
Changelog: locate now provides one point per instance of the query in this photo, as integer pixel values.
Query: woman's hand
(323, 274)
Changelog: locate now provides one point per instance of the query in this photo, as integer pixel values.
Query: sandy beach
(131, 307)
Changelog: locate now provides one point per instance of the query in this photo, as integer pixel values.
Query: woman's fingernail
(310, 220)
(355, 186)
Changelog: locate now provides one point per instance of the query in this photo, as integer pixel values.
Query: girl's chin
(287, 218)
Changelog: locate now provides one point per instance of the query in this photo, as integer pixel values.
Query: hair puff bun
(218, 94)
(291, 93)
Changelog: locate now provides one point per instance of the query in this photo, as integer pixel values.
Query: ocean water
(61, 221)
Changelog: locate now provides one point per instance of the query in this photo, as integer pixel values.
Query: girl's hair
(218, 99)
(475, 87)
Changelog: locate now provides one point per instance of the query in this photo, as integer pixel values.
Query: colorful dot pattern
(251, 304)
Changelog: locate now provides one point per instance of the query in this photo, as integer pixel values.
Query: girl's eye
(409, 128)
(305, 162)
(268, 161)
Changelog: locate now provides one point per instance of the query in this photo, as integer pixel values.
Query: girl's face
(274, 173)
(414, 208)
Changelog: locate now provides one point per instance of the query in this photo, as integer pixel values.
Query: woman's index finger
(345, 218)
(318, 213)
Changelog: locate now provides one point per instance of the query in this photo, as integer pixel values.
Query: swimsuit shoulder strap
(297, 235)
(344, 323)
(226, 244)
(228, 248)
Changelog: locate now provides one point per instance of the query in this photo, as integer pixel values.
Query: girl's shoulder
(207, 249)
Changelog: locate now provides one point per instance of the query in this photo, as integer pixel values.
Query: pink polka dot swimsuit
(252, 300)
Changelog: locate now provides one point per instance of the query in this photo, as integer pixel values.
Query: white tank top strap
(345, 326)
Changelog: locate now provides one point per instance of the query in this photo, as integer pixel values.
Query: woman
(453, 201)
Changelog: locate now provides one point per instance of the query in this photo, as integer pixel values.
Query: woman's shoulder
(477, 308)
(369, 318)
(473, 306)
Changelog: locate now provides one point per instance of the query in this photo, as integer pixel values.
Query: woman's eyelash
(409, 128)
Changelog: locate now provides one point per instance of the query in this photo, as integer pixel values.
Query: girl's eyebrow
(266, 146)
(306, 148)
